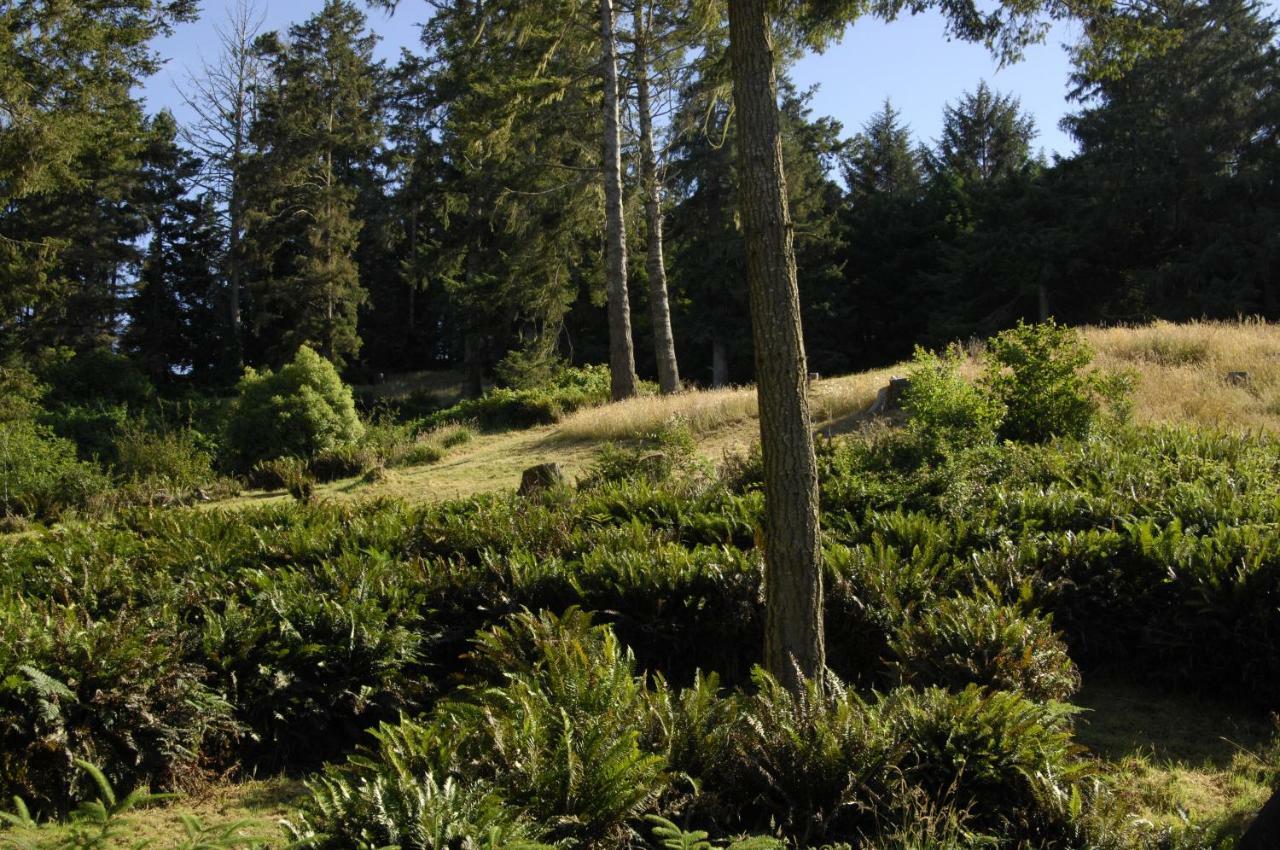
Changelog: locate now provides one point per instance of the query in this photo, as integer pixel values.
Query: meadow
(1052, 643)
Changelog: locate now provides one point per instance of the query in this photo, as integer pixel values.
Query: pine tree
(883, 159)
(178, 322)
(985, 137)
(316, 134)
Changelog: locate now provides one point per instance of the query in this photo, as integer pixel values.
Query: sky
(909, 61)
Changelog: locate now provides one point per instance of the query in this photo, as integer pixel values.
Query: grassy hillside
(1131, 571)
(1181, 378)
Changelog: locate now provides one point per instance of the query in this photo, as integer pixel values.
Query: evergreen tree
(1174, 189)
(985, 137)
(178, 322)
(71, 137)
(883, 160)
(316, 134)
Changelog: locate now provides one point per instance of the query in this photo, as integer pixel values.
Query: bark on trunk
(664, 344)
(794, 645)
(473, 364)
(622, 358)
(719, 363)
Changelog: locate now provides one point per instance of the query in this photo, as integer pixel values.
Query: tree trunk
(622, 358)
(719, 362)
(794, 644)
(473, 365)
(664, 344)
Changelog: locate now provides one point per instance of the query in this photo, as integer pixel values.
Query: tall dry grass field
(1182, 371)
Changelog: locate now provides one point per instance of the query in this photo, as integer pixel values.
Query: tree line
(551, 180)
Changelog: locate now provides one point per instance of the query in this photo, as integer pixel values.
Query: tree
(222, 97)
(178, 322)
(622, 358)
(794, 645)
(70, 135)
(883, 160)
(316, 132)
(985, 137)
(1182, 149)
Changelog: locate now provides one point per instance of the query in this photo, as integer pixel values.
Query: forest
(562, 438)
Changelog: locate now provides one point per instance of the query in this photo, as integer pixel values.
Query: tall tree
(315, 136)
(69, 128)
(794, 645)
(622, 358)
(1182, 148)
(221, 97)
(178, 323)
(985, 137)
(883, 160)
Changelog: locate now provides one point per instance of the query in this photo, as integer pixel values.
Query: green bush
(964, 640)
(21, 394)
(1040, 374)
(527, 407)
(97, 376)
(653, 458)
(299, 411)
(176, 458)
(560, 737)
(944, 410)
(388, 796)
(346, 461)
(282, 473)
(115, 691)
(40, 476)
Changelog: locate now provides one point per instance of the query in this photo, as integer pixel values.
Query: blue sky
(909, 61)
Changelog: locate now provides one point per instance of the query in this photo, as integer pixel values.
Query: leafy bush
(299, 411)
(964, 640)
(1040, 374)
(282, 473)
(97, 376)
(388, 796)
(560, 738)
(653, 458)
(114, 691)
(346, 461)
(944, 410)
(311, 659)
(569, 390)
(20, 394)
(175, 457)
(40, 476)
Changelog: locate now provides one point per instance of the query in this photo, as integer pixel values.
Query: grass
(263, 803)
(1181, 371)
(1176, 761)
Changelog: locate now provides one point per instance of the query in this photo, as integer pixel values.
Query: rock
(1238, 379)
(1264, 832)
(544, 476)
(889, 398)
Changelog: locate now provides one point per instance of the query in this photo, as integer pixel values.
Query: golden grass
(261, 803)
(1182, 371)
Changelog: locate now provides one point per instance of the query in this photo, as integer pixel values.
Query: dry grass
(1182, 371)
(260, 803)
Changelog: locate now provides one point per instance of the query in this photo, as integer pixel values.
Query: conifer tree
(985, 137)
(316, 133)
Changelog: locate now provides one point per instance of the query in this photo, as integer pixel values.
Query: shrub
(808, 763)
(342, 462)
(20, 394)
(1040, 374)
(1009, 762)
(963, 641)
(388, 796)
(527, 407)
(115, 691)
(561, 737)
(654, 458)
(173, 457)
(944, 410)
(97, 376)
(40, 476)
(419, 453)
(312, 658)
(298, 411)
(282, 473)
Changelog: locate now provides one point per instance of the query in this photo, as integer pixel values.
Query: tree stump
(1238, 379)
(890, 398)
(544, 476)
(1264, 832)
